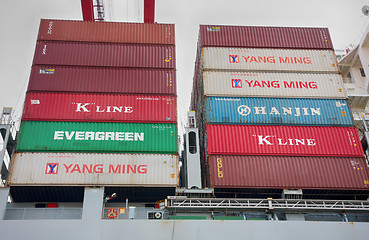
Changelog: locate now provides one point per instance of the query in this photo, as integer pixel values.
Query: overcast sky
(20, 21)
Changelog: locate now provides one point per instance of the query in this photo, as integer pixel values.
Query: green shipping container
(97, 137)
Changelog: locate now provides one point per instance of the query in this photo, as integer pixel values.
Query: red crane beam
(149, 11)
(87, 10)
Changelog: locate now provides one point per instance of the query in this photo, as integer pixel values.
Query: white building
(355, 72)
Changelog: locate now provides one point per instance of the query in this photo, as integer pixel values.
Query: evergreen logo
(99, 136)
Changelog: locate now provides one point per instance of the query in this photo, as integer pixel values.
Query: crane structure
(88, 10)
(149, 11)
(95, 12)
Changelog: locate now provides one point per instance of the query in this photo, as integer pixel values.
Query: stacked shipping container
(100, 107)
(250, 77)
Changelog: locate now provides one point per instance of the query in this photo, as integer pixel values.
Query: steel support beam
(271, 205)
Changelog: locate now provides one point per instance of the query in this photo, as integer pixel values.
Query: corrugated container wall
(288, 172)
(263, 84)
(280, 111)
(94, 169)
(283, 140)
(265, 37)
(253, 59)
(112, 32)
(252, 85)
(102, 80)
(100, 108)
(104, 55)
(39, 136)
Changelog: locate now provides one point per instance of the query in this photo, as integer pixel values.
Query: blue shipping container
(278, 111)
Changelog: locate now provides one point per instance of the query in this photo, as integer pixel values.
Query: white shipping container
(50, 169)
(267, 84)
(265, 59)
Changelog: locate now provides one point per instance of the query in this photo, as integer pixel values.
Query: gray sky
(20, 22)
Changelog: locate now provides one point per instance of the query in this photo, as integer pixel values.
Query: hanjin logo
(52, 168)
(236, 83)
(243, 110)
(234, 59)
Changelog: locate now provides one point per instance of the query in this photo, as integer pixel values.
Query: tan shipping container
(58, 169)
(272, 84)
(255, 59)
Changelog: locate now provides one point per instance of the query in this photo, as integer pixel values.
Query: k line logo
(236, 83)
(234, 59)
(52, 168)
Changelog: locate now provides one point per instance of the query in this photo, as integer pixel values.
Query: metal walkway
(271, 205)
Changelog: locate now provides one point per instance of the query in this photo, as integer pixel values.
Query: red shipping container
(283, 140)
(100, 108)
(104, 55)
(288, 172)
(113, 32)
(102, 80)
(265, 37)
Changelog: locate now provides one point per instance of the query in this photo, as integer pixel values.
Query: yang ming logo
(236, 83)
(234, 59)
(52, 168)
(243, 110)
